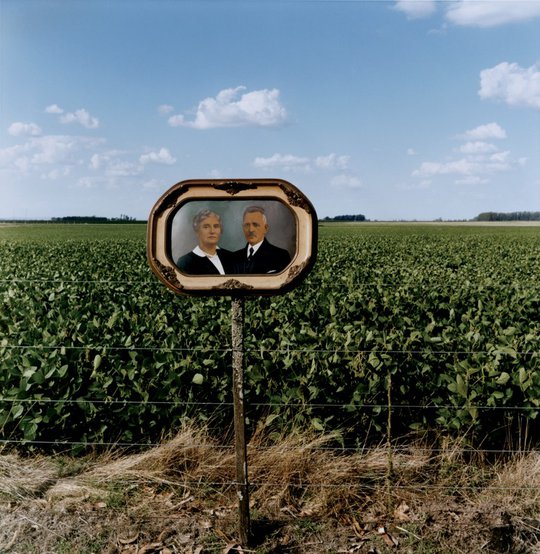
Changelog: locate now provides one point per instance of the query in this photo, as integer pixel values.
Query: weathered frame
(160, 237)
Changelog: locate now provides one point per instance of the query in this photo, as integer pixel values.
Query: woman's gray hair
(202, 215)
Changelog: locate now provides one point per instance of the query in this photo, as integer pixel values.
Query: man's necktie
(250, 253)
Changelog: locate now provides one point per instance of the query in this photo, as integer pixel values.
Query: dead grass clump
(516, 485)
(299, 473)
(180, 497)
(21, 478)
(187, 457)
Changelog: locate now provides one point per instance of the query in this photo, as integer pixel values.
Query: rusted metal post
(242, 484)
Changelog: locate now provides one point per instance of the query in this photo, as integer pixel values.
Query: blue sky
(396, 110)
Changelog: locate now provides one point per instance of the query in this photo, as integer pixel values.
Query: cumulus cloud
(112, 163)
(54, 109)
(332, 161)
(481, 13)
(165, 109)
(290, 162)
(20, 129)
(477, 147)
(55, 174)
(88, 182)
(346, 181)
(61, 150)
(512, 84)
(122, 168)
(485, 132)
(416, 9)
(480, 159)
(152, 184)
(101, 160)
(235, 108)
(469, 166)
(286, 162)
(81, 116)
(163, 156)
(472, 180)
(460, 167)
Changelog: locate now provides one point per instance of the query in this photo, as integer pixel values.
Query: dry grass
(305, 498)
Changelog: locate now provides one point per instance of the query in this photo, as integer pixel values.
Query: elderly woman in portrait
(207, 258)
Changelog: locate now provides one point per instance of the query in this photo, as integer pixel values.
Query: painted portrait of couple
(235, 238)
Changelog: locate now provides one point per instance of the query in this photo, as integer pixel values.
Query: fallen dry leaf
(130, 540)
(152, 547)
(401, 512)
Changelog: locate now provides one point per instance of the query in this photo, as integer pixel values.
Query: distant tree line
(94, 219)
(509, 216)
(357, 217)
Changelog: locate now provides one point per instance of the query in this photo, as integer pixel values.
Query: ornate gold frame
(158, 246)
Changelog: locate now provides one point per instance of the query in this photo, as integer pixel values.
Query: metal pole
(242, 485)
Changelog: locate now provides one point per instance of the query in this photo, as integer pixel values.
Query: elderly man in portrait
(259, 255)
(207, 258)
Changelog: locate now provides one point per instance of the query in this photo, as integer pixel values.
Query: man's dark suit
(193, 264)
(267, 259)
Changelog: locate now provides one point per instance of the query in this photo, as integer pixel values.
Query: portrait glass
(231, 226)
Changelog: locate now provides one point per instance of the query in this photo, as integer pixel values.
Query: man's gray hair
(202, 215)
(255, 209)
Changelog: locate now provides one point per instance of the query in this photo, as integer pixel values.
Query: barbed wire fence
(388, 447)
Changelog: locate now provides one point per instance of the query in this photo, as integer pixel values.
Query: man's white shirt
(254, 246)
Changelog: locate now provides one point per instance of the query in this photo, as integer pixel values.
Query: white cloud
(500, 157)
(286, 162)
(161, 157)
(60, 150)
(54, 109)
(53, 149)
(165, 109)
(87, 182)
(411, 152)
(483, 13)
(96, 161)
(472, 180)
(477, 147)
(103, 159)
(512, 84)
(20, 129)
(469, 167)
(233, 108)
(289, 162)
(416, 9)
(55, 174)
(480, 161)
(177, 121)
(120, 168)
(347, 181)
(459, 167)
(10, 154)
(152, 184)
(332, 161)
(485, 132)
(82, 117)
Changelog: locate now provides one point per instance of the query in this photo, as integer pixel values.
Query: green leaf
(198, 379)
(316, 422)
(503, 378)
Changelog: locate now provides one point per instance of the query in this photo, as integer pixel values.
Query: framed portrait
(232, 238)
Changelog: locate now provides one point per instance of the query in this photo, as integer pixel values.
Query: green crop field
(435, 325)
